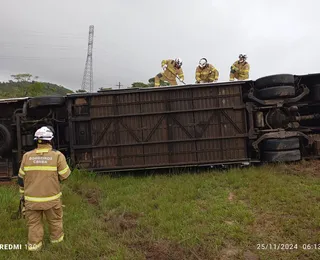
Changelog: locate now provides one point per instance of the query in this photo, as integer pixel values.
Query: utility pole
(119, 85)
(87, 81)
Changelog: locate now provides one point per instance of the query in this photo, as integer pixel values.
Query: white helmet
(203, 62)
(243, 56)
(44, 133)
(178, 61)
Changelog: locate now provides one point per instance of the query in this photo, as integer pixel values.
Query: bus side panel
(164, 127)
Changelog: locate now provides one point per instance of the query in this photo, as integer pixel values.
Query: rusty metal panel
(162, 127)
(222, 150)
(156, 154)
(217, 97)
(83, 158)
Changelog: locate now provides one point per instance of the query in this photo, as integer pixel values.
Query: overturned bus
(271, 119)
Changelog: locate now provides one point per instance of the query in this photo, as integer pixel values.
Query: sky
(131, 38)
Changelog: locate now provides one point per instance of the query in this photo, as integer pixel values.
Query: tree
(22, 77)
(151, 84)
(35, 89)
(14, 89)
(103, 89)
(139, 85)
(81, 91)
(162, 83)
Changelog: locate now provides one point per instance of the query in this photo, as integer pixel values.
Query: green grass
(209, 215)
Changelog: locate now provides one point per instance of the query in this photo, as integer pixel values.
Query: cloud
(49, 38)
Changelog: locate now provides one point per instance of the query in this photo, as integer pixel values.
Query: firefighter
(40, 172)
(240, 68)
(206, 72)
(171, 70)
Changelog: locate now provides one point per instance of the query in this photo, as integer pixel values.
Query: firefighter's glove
(234, 69)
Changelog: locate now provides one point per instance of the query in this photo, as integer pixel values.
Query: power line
(36, 58)
(30, 33)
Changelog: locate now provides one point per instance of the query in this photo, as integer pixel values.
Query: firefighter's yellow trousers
(34, 220)
(237, 76)
(160, 76)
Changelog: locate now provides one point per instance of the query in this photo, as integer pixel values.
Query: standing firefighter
(39, 175)
(206, 72)
(171, 70)
(240, 68)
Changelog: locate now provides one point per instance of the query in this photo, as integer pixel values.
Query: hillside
(13, 89)
(269, 212)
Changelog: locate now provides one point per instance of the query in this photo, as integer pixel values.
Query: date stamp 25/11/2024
(268, 246)
(271, 246)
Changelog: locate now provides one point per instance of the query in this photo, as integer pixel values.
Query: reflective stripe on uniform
(58, 240)
(40, 168)
(34, 247)
(42, 199)
(173, 72)
(42, 150)
(65, 170)
(21, 172)
(21, 190)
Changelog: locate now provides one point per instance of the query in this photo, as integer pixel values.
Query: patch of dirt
(202, 204)
(118, 223)
(231, 196)
(233, 252)
(248, 255)
(93, 196)
(229, 222)
(168, 250)
(162, 250)
(264, 224)
(302, 168)
(229, 253)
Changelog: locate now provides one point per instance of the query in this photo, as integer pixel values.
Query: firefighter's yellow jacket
(171, 72)
(41, 170)
(207, 74)
(241, 69)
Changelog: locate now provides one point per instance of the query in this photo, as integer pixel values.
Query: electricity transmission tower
(87, 81)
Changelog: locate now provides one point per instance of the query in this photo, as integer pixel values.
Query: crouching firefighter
(39, 175)
(240, 69)
(171, 71)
